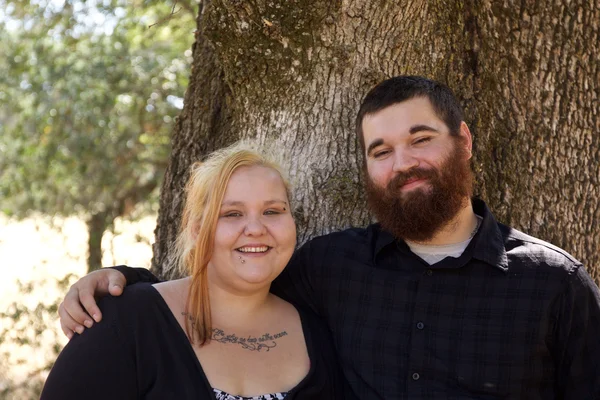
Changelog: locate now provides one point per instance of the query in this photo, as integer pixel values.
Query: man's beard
(419, 214)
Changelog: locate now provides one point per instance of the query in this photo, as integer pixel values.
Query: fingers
(73, 305)
(116, 283)
(87, 300)
(79, 309)
(67, 324)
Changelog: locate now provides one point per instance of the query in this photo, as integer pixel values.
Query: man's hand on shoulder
(79, 309)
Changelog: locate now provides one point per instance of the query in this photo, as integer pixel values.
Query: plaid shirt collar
(487, 245)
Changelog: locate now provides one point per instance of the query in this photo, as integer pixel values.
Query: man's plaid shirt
(512, 318)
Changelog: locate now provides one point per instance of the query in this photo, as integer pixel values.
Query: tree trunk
(96, 224)
(294, 72)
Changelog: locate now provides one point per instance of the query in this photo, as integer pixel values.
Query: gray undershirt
(432, 254)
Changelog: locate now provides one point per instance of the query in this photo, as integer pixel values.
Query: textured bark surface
(293, 73)
(96, 226)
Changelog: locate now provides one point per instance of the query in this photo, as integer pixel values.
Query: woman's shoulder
(139, 309)
(138, 300)
(133, 295)
(308, 319)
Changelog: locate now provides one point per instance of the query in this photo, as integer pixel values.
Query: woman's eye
(232, 214)
(272, 212)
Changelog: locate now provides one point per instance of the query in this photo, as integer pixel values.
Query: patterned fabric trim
(221, 395)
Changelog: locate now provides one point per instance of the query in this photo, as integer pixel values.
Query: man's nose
(255, 227)
(404, 160)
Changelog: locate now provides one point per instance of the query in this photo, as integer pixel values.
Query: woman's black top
(139, 351)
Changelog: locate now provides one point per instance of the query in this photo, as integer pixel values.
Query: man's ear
(468, 139)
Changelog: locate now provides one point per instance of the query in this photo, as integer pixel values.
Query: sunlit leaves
(91, 94)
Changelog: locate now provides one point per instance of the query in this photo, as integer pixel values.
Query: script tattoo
(190, 318)
(263, 343)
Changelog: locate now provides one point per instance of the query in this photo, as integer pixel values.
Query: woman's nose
(255, 227)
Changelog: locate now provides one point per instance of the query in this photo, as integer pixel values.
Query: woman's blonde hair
(205, 190)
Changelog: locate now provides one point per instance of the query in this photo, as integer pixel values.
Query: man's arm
(79, 309)
(577, 352)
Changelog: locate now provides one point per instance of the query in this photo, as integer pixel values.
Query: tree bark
(293, 73)
(96, 224)
(100, 221)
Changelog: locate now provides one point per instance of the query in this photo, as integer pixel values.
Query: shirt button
(429, 272)
(416, 376)
(420, 325)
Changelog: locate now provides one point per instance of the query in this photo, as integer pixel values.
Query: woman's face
(256, 234)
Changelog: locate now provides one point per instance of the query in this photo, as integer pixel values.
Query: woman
(218, 333)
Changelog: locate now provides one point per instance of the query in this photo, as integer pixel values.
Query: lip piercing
(241, 259)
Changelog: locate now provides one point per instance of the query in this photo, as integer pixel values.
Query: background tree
(294, 72)
(89, 93)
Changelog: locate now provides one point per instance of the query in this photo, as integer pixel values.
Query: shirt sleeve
(296, 283)
(136, 275)
(577, 351)
(95, 364)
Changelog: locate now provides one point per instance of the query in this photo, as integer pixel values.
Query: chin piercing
(241, 259)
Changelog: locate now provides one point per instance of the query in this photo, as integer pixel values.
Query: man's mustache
(415, 173)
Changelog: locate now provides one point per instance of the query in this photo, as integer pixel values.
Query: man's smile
(412, 183)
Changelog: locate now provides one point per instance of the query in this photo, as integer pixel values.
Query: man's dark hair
(401, 88)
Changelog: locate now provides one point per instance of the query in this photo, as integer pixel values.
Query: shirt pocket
(489, 361)
(482, 389)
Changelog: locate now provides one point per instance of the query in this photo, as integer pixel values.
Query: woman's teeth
(261, 249)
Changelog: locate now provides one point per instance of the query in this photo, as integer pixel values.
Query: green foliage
(89, 94)
(26, 333)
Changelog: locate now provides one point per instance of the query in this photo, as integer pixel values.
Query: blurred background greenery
(89, 92)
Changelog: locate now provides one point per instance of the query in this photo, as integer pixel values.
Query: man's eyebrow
(420, 128)
(374, 143)
(413, 129)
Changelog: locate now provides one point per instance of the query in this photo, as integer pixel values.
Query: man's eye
(422, 140)
(381, 153)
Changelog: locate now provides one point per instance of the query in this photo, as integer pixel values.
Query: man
(438, 300)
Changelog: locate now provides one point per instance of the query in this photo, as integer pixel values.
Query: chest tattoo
(265, 342)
